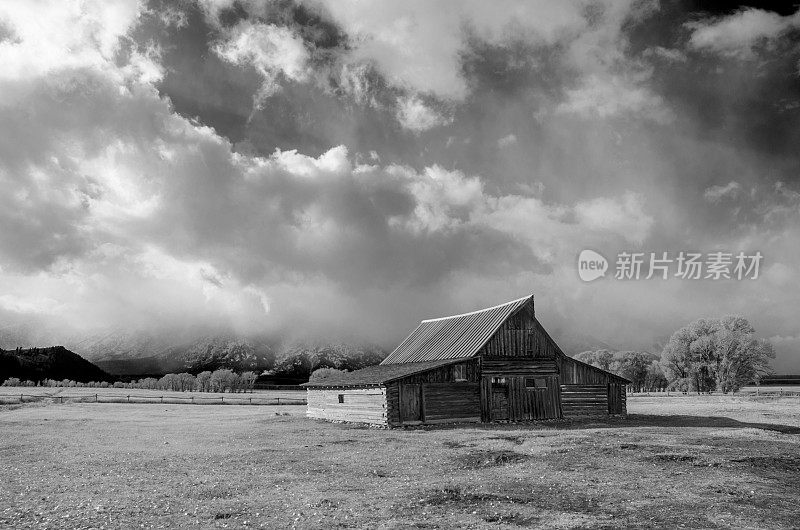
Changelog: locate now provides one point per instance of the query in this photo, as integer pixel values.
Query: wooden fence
(133, 398)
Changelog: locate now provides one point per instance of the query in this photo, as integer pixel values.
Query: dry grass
(11, 394)
(695, 462)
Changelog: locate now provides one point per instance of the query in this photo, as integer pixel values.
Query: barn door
(410, 403)
(499, 400)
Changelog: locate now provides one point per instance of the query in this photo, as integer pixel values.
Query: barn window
(535, 382)
(341, 398)
(460, 373)
(498, 380)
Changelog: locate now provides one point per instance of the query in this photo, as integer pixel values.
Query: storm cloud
(348, 169)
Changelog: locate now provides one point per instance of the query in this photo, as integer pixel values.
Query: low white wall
(362, 405)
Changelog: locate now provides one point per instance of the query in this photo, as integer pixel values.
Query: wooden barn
(495, 364)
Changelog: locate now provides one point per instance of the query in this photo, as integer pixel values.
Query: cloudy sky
(346, 168)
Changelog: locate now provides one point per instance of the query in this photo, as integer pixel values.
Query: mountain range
(56, 362)
(140, 353)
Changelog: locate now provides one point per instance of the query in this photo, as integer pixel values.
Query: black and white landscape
(214, 201)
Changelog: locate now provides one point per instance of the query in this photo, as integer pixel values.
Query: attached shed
(495, 364)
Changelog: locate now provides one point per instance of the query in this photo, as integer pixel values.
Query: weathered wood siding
(515, 338)
(393, 403)
(516, 399)
(617, 399)
(362, 405)
(577, 373)
(499, 366)
(435, 396)
(521, 336)
(584, 400)
(456, 402)
(446, 374)
(518, 353)
(411, 405)
(587, 390)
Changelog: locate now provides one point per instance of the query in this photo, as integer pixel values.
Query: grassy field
(676, 462)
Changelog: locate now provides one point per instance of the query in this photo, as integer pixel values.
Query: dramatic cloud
(354, 167)
(417, 44)
(270, 49)
(413, 114)
(739, 34)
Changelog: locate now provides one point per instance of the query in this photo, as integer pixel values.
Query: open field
(681, 461)
(11, 394)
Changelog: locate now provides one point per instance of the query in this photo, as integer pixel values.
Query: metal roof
(378, 374)
(453, 337)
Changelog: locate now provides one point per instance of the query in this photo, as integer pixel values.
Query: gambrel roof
(453, 337)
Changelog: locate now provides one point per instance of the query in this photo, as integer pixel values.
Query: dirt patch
(516, 440)
(672, 457)
(508, 504)
(516, 519)
(458, 495)
(484, 459)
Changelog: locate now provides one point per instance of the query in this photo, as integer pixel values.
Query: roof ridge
(478, 310)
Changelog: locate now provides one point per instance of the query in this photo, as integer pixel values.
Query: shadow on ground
(632, 421)
(722, 422)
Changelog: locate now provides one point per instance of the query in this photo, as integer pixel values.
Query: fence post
(96, 399)
(192, 399)
(20, 398)
(251, 401)
(162, 399)
(222, 399)
(61, 398)
(279, 401)
(129, 399)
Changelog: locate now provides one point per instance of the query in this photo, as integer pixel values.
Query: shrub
(320, 374)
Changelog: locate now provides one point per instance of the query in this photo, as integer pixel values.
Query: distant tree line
(641, 368)
(222, 380)
(15, 381)
(707, 355)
